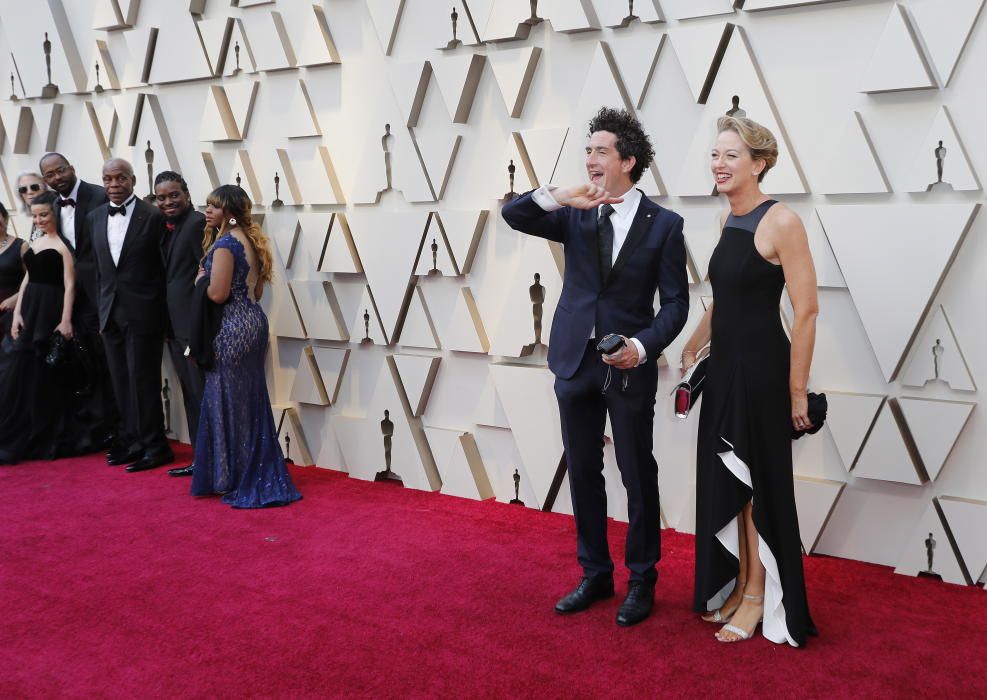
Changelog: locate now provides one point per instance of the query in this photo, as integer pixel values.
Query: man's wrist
(642, 355)
(545, 198)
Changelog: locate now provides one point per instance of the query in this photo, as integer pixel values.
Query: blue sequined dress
(237, 452)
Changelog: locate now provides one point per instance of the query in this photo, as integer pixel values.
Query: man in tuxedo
(75, 200)
(620, 248)
(181, 248)
(126, 235)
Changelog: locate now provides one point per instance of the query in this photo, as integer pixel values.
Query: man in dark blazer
(76, 199)
(126, 237)
(620, 248)
(181, 249)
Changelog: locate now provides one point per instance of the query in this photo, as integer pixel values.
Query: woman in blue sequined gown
(237, 453)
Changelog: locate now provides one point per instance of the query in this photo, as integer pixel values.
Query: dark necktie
(122, 210)
(604, 229)
(68, 203)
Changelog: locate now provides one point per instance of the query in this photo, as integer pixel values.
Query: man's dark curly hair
(631, 139)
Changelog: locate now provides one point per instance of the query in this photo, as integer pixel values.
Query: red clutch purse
(688, 390)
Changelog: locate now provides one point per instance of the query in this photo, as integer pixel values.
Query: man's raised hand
(587, 196)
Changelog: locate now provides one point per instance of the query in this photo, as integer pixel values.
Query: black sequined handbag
(71, 360)
(57, 350)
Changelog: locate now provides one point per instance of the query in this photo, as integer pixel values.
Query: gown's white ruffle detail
(774, 627)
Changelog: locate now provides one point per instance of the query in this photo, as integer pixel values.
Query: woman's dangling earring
(232, 221)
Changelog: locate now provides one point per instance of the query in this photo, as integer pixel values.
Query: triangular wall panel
(885, 456)
(815, 499)
(514, 70)
(849, 420)
(528, 399)
(307, 386)
(928, 534)
(957, 170)
(854, 167)
(861, 237)
(967, 520)
(417, 375)
(331, 366)
(937, 355)
(388, 245)
(945, 31)
(898, 62)
(386, 15)
(935, 426)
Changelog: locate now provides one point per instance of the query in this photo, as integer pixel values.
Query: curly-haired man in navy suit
(620, 249)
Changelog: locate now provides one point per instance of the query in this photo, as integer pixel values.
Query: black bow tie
(122, 210)
(68, 203)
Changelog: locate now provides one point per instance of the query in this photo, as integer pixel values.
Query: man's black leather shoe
(587, 592)
(181, 471)
(145, 463)
(117, 457)
(637, 605)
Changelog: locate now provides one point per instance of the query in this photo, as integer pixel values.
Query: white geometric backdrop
(860, 92)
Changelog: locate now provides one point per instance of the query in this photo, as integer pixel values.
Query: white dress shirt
(116, 228)
(68, 214)
(621, 219)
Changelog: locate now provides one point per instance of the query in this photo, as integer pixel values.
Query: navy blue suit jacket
(651, 259)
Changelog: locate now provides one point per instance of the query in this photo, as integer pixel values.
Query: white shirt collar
(126, 204)
(627, 208)
(74, 194)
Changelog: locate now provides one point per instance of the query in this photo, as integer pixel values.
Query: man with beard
(181, 248)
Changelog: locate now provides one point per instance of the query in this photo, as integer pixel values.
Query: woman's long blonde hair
(235, 204)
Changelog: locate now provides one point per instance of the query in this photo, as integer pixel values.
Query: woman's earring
(232, 221)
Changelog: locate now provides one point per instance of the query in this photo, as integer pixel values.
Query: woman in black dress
(748, 551)
(12, 251)
(36, 422)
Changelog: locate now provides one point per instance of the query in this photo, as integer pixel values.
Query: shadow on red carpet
(122, 585)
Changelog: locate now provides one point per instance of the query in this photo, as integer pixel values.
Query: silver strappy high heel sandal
(718, 616)
(742, 634)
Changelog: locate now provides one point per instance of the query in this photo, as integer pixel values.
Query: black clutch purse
(70, 359)
(688, 390)
(57, 350)
(817, 415)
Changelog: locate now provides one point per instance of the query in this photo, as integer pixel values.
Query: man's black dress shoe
(181, 471)
(145, 463)
(587, 592)
(117, 457)
(637, 605)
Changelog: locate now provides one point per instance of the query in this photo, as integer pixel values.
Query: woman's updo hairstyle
(759, 140)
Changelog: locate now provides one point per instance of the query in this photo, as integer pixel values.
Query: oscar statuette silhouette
(387, 431)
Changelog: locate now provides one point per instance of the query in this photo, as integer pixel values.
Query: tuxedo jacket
(652, 259)
(181, 251)
(132, 292)
(89, 197)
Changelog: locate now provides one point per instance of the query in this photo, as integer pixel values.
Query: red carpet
(121, 585)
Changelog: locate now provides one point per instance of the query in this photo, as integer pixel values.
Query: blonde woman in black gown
(748, 551)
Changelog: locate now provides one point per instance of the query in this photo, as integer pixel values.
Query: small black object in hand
(57, 350)
(610, 344)
(817, 415)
